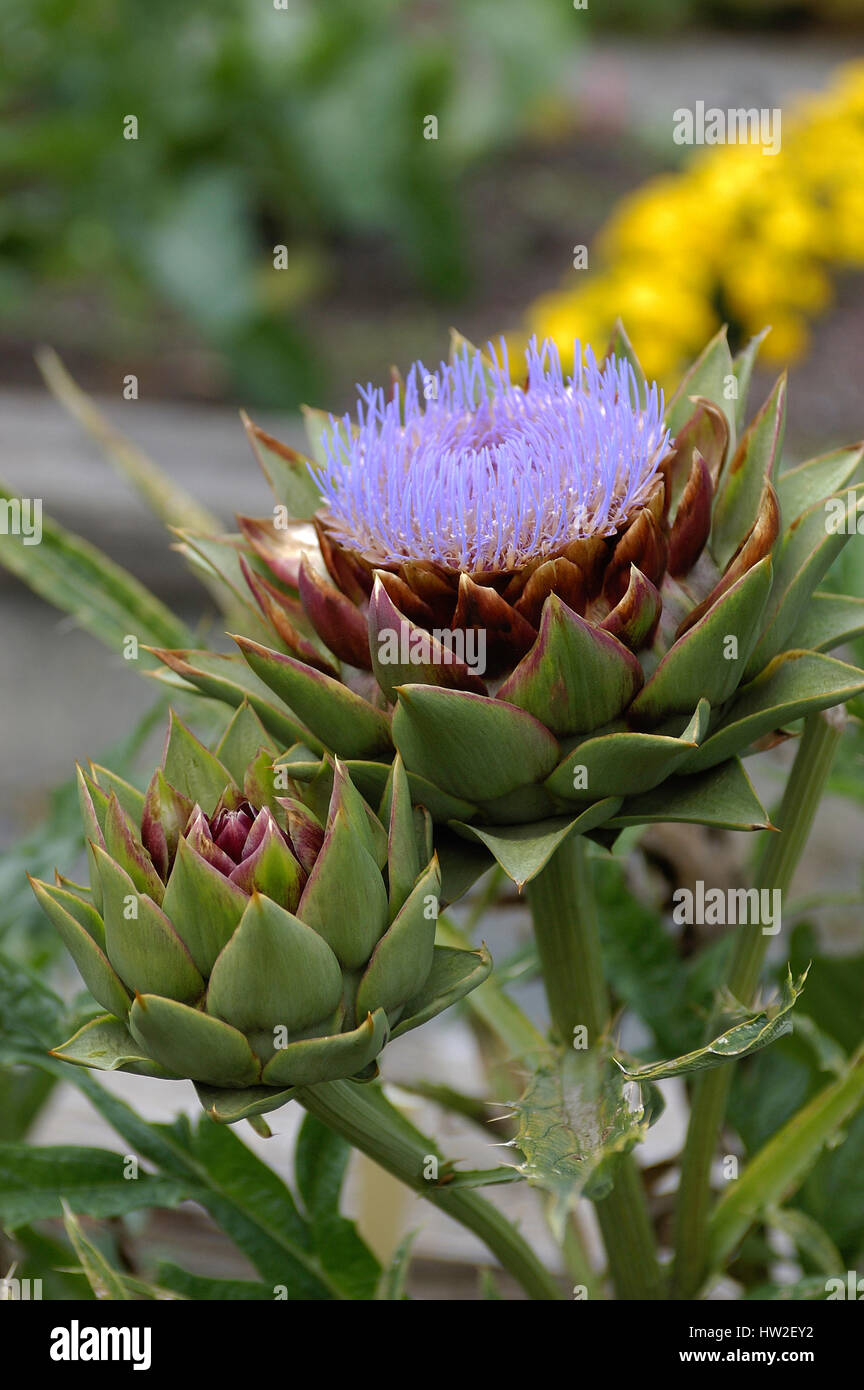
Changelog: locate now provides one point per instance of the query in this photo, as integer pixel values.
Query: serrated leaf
(257, 1210)
(575, 1122)
(243, 1195)
(746, 1032)
(34, 1180)
(320, 1163)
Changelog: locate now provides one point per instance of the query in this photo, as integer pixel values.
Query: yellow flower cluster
(738, 236)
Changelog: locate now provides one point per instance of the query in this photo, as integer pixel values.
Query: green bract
(627, 674)
(238, 940)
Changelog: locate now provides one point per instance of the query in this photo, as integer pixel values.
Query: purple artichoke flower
(470, 472)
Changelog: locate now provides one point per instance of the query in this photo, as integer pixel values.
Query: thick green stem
(565, 927)
(774, 870)
(364, 1116)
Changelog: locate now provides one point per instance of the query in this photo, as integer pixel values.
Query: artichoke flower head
(237, 939)
(569, 605)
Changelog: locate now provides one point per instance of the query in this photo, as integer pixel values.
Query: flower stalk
(364, 1116)
(776, 865)
(564, 913)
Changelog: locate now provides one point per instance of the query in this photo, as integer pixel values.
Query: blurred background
(263, 202)
(319, 188)
(296, 132)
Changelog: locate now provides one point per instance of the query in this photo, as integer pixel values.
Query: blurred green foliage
(299, 126)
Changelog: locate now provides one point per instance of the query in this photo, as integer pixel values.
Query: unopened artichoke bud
(567, 603)
(251, 947)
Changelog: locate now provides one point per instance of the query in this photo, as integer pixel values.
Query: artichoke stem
(363, 1115)
(564, 912)
(776, 864)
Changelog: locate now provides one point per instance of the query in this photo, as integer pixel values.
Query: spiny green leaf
(746, 1032)
(575, 1121)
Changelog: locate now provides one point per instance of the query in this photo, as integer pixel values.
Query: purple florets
(473, 473)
